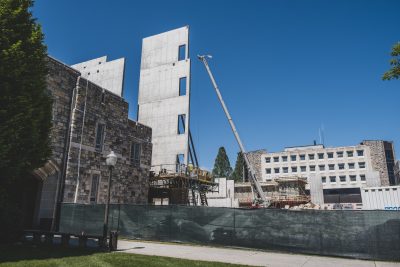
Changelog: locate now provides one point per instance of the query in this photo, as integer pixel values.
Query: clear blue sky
(284, 67)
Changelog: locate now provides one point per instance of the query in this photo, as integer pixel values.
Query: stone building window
(94, 188)
(360, 153)
(332, 179)
(353, 178)
(321, 155)
(182, 86)
(361, 165)
(267, 160)
(351, 165)
(330, 155)
(103, 97)
(312, 168)
(181, 123)
(268, 171)
(323, 179)
(311, 156)
(339, 154)
(349, 154)
(276, 170)
(182, 52)
(331, 167)
(341, 166)
(285, 169)
(100, 137)
(135, 153)
(293, 157)
(342, 178)
(276, 159)
(303, 168)
(284, 158)
(362, 177)
(294, 169)
(321, 167)
(302, 157)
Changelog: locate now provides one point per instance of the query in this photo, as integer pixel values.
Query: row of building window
(135, 149)
(329, 155)
(312, 168)
(342, 178)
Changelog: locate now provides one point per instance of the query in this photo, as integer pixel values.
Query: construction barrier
(349, 233)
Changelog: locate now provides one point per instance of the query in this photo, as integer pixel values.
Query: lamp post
(111, 160)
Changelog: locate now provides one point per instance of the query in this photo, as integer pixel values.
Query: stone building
(88, 122)
(337, 173)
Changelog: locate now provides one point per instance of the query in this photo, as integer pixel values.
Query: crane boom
(261, 198)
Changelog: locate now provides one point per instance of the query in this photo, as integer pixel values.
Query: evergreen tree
(237, 174)
(222, 166)
(394, 72)
(25, 111)
(25, 107)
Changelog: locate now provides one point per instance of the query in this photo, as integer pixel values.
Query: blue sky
(284, 67)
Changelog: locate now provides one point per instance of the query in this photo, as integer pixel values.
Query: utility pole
(260, 198)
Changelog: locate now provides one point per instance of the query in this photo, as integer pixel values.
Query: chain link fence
(349, 233)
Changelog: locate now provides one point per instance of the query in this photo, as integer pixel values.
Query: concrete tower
(164, 96)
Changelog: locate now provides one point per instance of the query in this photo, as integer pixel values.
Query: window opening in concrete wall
(182, 52)
(362, 177)
(182, 86)
(181, 123)
(332, 179)
(353, 178)
(302, 168)
(320, 155)
(294, 169)
(135, 153)
(360, 153)
(276, 159)
(330, 155)
(341, 166)
(351, 165)
(285, 169)
(180, 159)
(268, 171)
(311, 156)
(293, 158)
(284, 158)
(312, 168)
(349, 153)
(94, 188)
(267, 160)
(99, 136)
(331, 167)
(339, 154)
(342, 178)
(302, 157)
(323, 178)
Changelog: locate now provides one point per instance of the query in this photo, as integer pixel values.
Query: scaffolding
(284, 192)
(180, 185)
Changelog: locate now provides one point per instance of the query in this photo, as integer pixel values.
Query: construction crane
(259, 198)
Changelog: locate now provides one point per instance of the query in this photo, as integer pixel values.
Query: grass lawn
(14, 255)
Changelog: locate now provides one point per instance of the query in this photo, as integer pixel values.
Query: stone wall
(90, 107)
(378, 159)
(255, 160)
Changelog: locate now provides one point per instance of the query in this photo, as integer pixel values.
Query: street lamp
(111, 160)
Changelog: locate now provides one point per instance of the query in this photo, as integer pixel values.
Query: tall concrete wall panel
(109, 75)
(160, 100)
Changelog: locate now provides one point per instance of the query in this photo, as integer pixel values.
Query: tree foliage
(394, 72)
(237, 174)
(25, 111)
(25, 107)
(222, 166)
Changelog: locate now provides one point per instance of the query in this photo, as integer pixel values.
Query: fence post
(119, 216)
(234, 227)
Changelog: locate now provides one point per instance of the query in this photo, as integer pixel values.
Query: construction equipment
(259, 198)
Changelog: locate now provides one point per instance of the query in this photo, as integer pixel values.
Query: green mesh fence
(359, 234)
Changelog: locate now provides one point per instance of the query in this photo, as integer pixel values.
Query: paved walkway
(242, 256)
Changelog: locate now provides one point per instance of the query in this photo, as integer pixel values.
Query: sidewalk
(242, 256)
